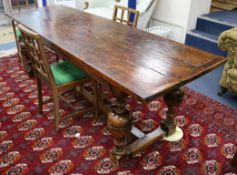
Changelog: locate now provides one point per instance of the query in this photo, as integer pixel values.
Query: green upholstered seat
(65, 72)
(18, 33)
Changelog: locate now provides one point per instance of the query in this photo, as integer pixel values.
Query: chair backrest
(123, 15)
(23, 4)
(36, 54)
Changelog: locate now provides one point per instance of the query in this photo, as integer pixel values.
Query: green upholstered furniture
(228, 42)
(18, 33)
(59, 77)
(66, 72)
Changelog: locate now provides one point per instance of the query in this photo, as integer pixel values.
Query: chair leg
(40, 98)
(56, 111)
(98, 99)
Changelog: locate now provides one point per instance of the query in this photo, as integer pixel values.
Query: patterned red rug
(29, 145)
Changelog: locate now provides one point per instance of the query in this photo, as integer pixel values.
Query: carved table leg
(119, 123)
(172, 100)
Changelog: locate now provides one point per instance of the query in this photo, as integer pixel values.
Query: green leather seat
(18, 33)
(65, 72)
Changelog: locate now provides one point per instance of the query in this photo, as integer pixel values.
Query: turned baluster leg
(172, 100)
(119, 123)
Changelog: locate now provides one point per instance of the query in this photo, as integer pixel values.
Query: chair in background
(59, 77)
(123, 15)
(18, 4)
(228, 42)
(104, 8)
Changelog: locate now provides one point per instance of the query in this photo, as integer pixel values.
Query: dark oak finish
(132, 61)
(136, 62)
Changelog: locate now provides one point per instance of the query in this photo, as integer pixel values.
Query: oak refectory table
(131, 61)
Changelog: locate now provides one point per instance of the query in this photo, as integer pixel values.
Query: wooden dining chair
(21, 48)
(59, 77)
(124, 15)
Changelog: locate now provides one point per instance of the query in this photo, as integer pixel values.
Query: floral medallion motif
(192, 156)
(195, 130)
(228, 121)
(26, 83)
(34, 134)
(4, 90)
(163, 112)
(219, 116)
(65, 123)
(12, 69)
(3, 134)
(191, 101)
(62, 167)
(228, 150)
(30, 88)
(18, 169)
(21, 78)
(51, 155)
(48, 107)
(124, 173)
(82, 142)
(9, 158)
(45, 98)
(33, 95)
(104, 166)
(21, 117)
(15, 109)
(137, 116)
(5, 146)
(105, 131)
(71, 132)
(177, 146)
(148, 125)
(7, 96)
(17, 74)
(211, 140)
(151, 161)
(50, 115)
(26, 125)
(169, 170)
(2, 84)
(42, 144)
(154, 106)
(181, 120)
(10, 102)
(208, 111)
(211, 167)
(94, 152)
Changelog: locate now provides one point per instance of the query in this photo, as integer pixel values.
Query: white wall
(197, 7)
(179, 15)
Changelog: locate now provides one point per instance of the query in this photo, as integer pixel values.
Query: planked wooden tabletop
(139, 63)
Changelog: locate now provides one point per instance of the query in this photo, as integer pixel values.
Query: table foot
(176, 136)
